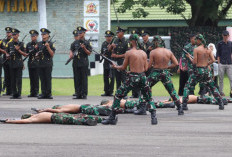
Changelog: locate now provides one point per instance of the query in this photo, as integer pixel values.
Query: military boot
(180, 109)
(184, 106)
(221, 104)
(169, 105)
(141, 110)
(112, 119)
(153, 118)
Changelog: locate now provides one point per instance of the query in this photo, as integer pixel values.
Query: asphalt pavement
(204, 131)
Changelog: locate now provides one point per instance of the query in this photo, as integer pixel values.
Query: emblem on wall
(91, 8)
(92, 25)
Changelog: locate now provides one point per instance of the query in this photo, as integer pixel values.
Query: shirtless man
(57, 118)
(137, 60)
(203, 57)
(159, 59)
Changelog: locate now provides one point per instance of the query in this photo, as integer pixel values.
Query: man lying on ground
(57, 118)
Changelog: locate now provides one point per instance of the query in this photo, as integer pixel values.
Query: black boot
(112, 119)
(104, 112)
(184, 106)
(180, 109)
(221, 104)
(141, 110)
(169, 105)
(153, 118)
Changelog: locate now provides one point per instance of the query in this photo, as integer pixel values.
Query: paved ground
(202, 131)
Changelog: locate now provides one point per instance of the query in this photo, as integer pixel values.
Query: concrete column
(109, 20)
(42, 14)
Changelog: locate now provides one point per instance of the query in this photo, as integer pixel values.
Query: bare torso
(160, 58)
(203, 56)
(137, 60)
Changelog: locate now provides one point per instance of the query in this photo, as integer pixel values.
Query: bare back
(202, 56)
(137, 60)
(160, 57)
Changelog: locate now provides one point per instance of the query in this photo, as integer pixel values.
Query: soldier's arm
(195, 56)
(151, 59)
(71, 51)
(173, 60)
(51, 51)
(87, 48)
(212, 59)
(125, 63)
(21, 49)
(1, 46)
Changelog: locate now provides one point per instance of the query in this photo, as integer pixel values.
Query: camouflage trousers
(211, 100)
(72, 119)
(89, 109)
(201, 75)
(164, 76)
(133, 80)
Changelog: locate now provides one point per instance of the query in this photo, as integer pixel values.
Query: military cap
(191, 35)
(108, 33)
(80, 30)
(8, 29)
(134, 37)
(33, 33)
(225, 33)
(158, 40)
(119, 29)
(201, 38)
(75, 33)
(44, 31)
(15, 31)
(144, 32)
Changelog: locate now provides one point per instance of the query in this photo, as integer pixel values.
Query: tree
(204, 12)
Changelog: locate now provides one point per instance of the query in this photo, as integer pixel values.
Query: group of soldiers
(40, 62)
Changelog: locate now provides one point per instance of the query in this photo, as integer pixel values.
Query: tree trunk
(204, 13)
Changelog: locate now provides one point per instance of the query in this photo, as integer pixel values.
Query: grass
(95, 86)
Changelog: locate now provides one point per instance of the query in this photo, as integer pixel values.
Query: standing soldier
(33, 64)
(119, 47)
(16, 49)
(82, 49)
(108, 71)
(6, 66)
(146, 44)
(46, 52)
(72, 55)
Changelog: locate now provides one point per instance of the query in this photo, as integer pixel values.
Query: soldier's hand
(114, 55)
(149, 48)
(7, 55)
(36, 46)
(83, 46)
(17, 47)
(25, 54)
(70, 55)
(114, 66)
(47, 45)
(113, 46)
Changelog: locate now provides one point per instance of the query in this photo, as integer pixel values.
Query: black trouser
(7, 77)
(109, 80)
(81, 80)
(120, 77)
(34, 80)
(182, 81)
(45, 74)
(16, 81)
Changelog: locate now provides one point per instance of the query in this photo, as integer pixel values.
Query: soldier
(146, 44)
(33, 64)
(46, 51)
(16, 49)
(119, 48)
(108, 73)
(202, 55)
(79, 51)
(57, 118)
(6, 66)
(137, 59)
(187, 65)
(159, 59)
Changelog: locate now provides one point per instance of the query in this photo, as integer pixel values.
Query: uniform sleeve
(89, 47)
(102, 51)
(22, 47)
(52, 45)
(7, 48)
(27, 49)
(72, 47)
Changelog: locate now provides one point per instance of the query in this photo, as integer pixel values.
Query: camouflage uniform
(164, 76)
(201, 75)
(211, 100)
(74, 119)
(133, 80)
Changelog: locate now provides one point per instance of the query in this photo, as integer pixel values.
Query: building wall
(63, 16)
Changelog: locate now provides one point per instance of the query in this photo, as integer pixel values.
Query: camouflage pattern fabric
(133, 80)
(130, 104)
(72, 119)
(210, 100)
(185, 60)
(164, 76)
(201, 75)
